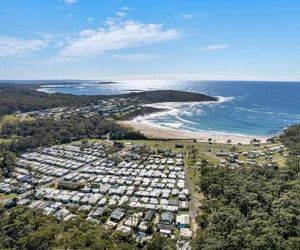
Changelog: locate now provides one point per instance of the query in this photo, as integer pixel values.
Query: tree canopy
(48, 131)
(252, 207)
(24, 228)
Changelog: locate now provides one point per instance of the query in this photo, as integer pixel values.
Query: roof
(183, 219)
(99, 211)
(117, 214)
(148, 215)
(186, 233)
(167, 216)
(165, 227)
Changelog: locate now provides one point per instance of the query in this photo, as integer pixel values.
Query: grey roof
(117, 214)
(99, 211)
(149, 215)
(165, 227)
(167, 217)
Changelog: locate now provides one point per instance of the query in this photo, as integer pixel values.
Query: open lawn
(5, 197)
(196, 151)
(16, 118)
(277, 157)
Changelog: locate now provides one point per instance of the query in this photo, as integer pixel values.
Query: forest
(48, 131)
(24, 228)
(243, 208)
(25, 98)
(252, 207)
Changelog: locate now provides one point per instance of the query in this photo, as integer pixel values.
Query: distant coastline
(244, 107)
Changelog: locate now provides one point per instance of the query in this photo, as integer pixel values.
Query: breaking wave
(177, 114)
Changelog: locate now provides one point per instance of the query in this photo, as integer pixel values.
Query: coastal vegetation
(243, 207)
(144, 110)
(25, 98)
(25, 228)
(157, 96)
(251, 207)
(48, 131)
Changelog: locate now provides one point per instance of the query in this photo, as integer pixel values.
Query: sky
(150, 39)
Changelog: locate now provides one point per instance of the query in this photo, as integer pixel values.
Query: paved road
(193, 210)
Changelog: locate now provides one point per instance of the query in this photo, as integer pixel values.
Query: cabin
(99, 211)
(149, 215)
(222, 154)
(167, 217)
(185, 233)
(183, 220)
(117, 215)
(165, 229)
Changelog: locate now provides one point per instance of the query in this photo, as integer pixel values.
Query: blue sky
(143, 39)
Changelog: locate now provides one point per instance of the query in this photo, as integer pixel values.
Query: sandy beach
(154, 132)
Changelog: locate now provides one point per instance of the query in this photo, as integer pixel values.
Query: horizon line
(148, 79)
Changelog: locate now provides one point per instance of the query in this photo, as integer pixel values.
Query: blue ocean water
(247, 108)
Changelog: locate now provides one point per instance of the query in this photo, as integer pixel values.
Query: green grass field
(5, 197)
(196, 151)
(14, 118)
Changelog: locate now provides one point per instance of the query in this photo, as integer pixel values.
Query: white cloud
(90, 20)
(10, 46)
(188, 16)
(215, 47)
(136, 57)
(125, 8)
(121, 13)
(71, 1)
(116, 35)
(88, 33)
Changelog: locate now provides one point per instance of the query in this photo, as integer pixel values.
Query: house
(117, 215)
(165, 229)
(23, 202)
(222, 154)
(149, 215)
(183, 220)
(185, 233)
(167, 217)
(98, 212)
(183, 205)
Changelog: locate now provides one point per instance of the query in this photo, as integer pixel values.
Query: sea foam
(174, 111)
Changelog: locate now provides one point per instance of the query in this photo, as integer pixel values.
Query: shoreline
(154, 132)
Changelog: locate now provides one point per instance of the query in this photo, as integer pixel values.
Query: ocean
(244, 108)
